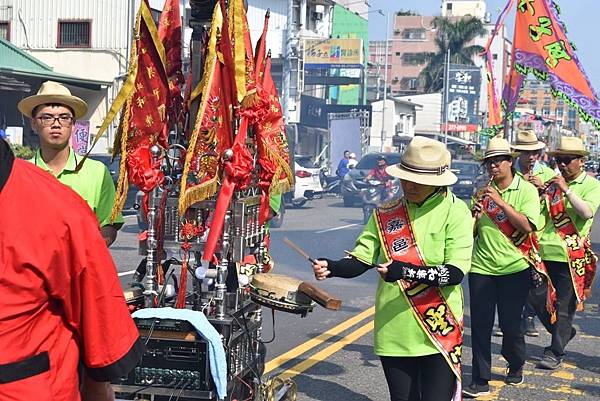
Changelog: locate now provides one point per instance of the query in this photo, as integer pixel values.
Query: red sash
(582, 260)
(428, 303)
(527, 244)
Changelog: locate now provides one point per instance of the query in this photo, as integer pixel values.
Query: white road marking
(127, 273)
(335, 228)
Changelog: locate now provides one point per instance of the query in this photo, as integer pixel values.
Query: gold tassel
(198, 193)
(122, 183)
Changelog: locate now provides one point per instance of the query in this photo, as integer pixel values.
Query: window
(495, 56)
(74, 34)
(409, 84)
(5, 30)
(545, 112)
(398, 53)
(413, 59)
(413, 34)
(546, 101)
(559, 112)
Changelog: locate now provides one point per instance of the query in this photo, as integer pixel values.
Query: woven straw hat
(53, 93)
(498, 146)
(570, 145)
(424, 161)
(527, 140)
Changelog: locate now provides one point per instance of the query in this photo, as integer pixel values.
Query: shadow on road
(315, 388)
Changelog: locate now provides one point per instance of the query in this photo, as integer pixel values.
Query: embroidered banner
(541, 47)
(527, 245)
(582, 260)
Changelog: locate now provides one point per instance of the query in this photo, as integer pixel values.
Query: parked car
(354, 181)
(308, 183)
(467, 172)
(113, 169)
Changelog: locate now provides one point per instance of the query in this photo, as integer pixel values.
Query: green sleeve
(106, 200)
(459, 237)
(275, 203)
(592, 195)
(529, 204)
(368, 244)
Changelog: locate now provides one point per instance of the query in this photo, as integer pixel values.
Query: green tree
(456, 35)
(22, 152)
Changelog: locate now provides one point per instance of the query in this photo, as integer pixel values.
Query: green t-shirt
(540, 170)
(92, 182)
(442, 227)
(493, 253)
(552, 246)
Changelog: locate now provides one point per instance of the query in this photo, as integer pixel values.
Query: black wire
(181, 391)
(273, 327)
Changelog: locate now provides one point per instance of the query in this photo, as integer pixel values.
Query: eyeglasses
(496, 161)
(565, 159)
(48, 120)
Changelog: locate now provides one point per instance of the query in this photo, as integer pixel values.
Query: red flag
(212, 131)
(143, 100)
(260, 52)
(541, 47)
(275, 176)
(169, 33)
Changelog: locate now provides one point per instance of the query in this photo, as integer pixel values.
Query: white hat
(498, 146)
(424, 161)
(53, 93)
(527, 141)
(570, 145)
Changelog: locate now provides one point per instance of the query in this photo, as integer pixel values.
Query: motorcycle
(372, 196)
(331, 183)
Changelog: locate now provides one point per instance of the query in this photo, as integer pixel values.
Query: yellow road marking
(326, 352)
(321, 338)
(561, 374)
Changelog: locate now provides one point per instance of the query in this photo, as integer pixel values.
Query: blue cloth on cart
(216, 351)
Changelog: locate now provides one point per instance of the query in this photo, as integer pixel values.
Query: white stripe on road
(127, 273)
(336, 228)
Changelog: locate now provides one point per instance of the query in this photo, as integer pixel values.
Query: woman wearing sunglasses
(506, 212)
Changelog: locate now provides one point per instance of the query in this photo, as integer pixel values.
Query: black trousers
(508, 293)
(566, 304)
(421, 378)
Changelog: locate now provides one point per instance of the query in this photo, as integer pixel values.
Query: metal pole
(385, 79)
(446, 95)
(287, 62)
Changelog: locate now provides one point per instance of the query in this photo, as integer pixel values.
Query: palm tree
(455, 35)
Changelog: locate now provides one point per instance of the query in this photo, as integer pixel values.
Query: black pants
(529, 310)
(508, 293)
(421, 378)
(565, 306)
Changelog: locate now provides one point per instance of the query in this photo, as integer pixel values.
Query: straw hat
(52, 92)
(570, 145)
(527, 141)
(498, 146)
(424, 161)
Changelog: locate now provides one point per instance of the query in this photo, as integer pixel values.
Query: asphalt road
(329, 354)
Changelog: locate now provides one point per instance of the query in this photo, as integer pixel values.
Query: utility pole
(446, 96)
(287, 62)
(385, 77)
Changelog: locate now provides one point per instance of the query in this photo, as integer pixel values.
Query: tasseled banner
(183, 277)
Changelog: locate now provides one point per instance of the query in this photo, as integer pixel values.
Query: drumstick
(298, 250)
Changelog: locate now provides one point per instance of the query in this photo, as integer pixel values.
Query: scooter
(372, 196)
(331, 183)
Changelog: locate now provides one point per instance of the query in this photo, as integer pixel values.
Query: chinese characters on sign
(338, 53)
(464, 86)
(80, 137)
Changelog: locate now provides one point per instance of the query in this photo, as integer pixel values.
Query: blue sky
(580, 17)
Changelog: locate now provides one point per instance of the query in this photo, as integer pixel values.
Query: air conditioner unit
(317, 16)
(397, 30)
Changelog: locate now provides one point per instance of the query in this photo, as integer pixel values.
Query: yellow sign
(341, 53)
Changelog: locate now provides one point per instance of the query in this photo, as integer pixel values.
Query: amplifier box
(175, 359)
